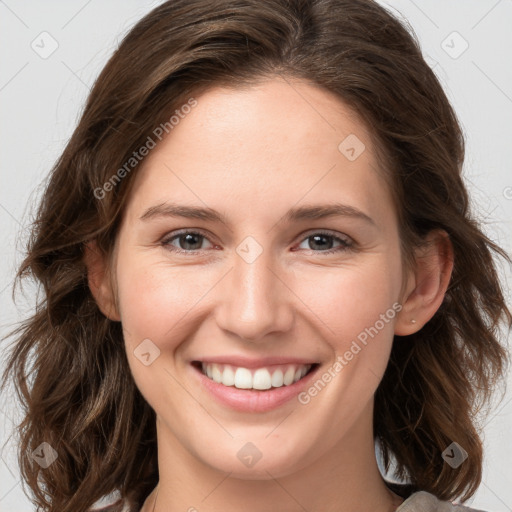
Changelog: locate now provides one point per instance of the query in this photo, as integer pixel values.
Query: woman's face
(263, 281)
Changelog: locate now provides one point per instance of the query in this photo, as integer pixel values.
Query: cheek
(154, 299)
(348, 300)
(156, 304)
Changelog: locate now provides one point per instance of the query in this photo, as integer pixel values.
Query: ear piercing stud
(413, 321)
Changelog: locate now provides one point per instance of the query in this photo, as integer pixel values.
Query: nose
(255, 300)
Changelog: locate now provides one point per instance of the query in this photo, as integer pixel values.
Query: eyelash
(347, 244)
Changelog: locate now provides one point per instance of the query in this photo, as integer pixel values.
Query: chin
(269, 465)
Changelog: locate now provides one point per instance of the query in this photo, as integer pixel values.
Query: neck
(345, 478)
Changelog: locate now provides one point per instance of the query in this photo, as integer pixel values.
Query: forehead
(276, 142)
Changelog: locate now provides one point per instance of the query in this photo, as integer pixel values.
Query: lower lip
(249, 400)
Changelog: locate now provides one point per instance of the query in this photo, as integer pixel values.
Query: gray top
(420, 501)
(425, 502)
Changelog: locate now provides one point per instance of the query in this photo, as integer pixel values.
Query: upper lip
(247, 362)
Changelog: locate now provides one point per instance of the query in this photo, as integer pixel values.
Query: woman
(258, 261)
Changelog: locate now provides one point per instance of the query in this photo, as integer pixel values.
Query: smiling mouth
(259, 379)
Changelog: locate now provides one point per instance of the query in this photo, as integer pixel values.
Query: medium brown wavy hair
(68, 361)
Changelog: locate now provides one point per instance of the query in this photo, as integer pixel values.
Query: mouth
(261, 379)
(257, 389)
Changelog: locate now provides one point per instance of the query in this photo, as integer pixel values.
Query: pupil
(189, 239)
(322, 246)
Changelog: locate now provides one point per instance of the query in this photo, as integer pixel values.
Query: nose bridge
(255, 302)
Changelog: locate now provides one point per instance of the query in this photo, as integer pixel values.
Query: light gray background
(41, 98)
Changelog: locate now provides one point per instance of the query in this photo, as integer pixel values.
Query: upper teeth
(262, 378)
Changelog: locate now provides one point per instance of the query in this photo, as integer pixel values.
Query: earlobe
(99, 281)
(428, 283)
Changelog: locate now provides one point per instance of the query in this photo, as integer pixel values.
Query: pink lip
(249, 400)
(245, 362)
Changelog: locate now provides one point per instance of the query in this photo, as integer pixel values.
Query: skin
(252, 155)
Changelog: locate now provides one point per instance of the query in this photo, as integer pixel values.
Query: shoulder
(422, 501)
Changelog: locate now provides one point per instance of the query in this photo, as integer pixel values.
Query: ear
(426, 284)
(99, 281)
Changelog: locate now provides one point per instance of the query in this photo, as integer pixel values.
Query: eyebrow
(308, 212)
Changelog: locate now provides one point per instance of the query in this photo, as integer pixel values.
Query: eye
(190, 242)
(187, 241)
(323, 240)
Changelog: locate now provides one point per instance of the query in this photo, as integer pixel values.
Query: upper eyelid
(174, 234)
